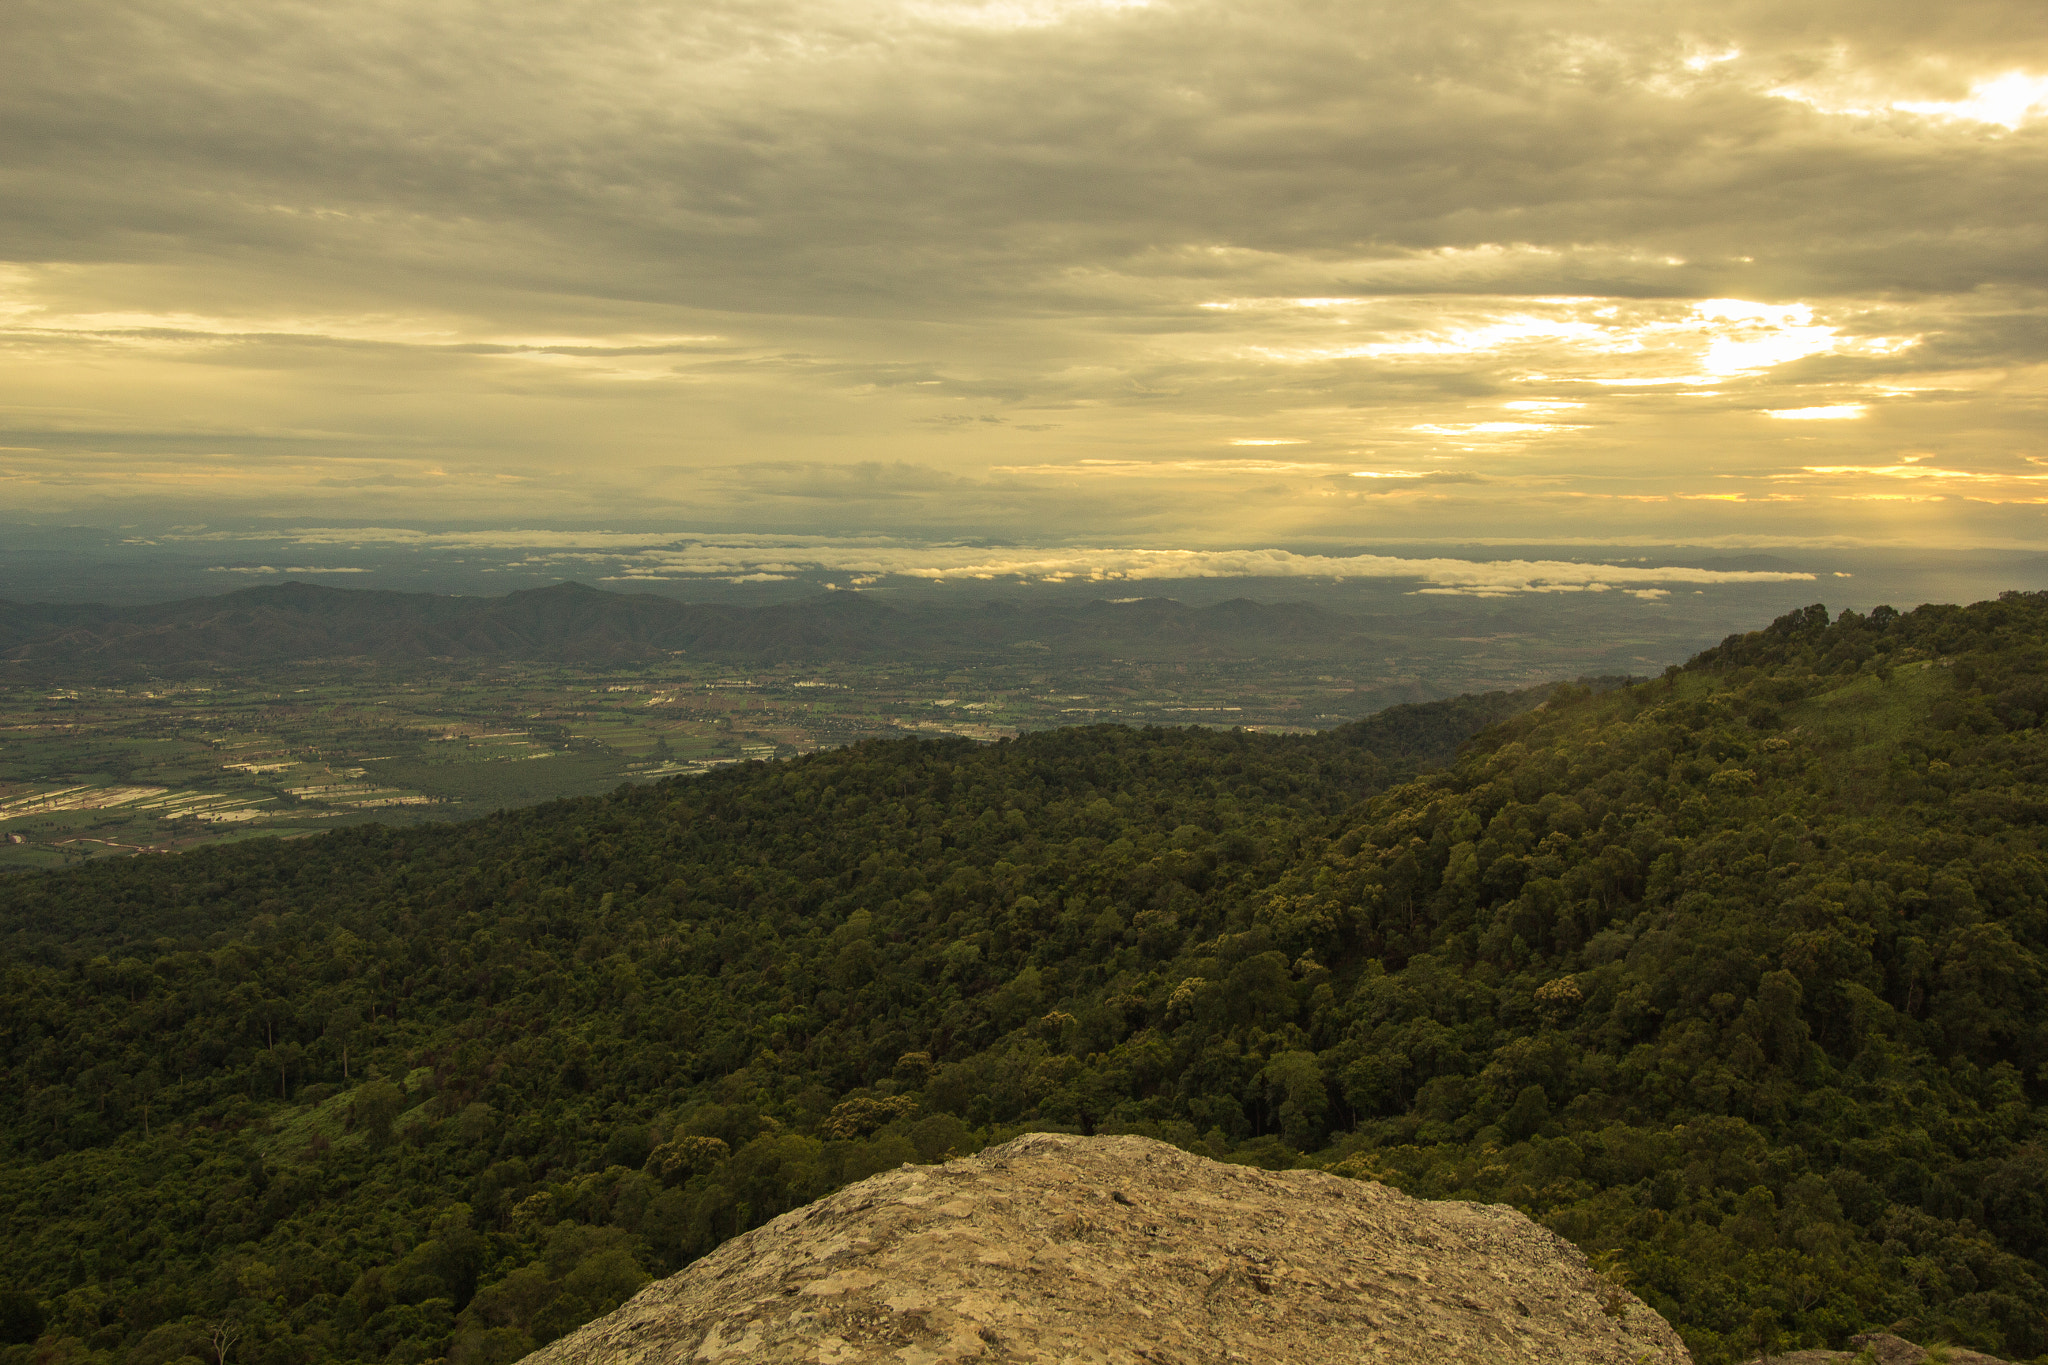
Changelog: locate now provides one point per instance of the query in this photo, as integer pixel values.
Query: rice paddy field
(94, 771)
(169, 763)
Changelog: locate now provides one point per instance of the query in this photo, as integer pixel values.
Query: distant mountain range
(572, 623)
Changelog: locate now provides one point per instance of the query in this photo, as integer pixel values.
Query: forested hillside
(1733, 977)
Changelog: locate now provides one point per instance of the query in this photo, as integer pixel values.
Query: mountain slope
(1734, 978)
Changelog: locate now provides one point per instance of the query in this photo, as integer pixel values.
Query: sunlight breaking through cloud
(2008, 101)
(1839, 412)
(1597, 340)
(627, 557)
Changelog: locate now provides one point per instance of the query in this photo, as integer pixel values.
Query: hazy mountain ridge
(574, 623)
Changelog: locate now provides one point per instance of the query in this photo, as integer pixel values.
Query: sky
(1079, 277)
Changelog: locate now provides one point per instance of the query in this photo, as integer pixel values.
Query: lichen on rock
(1121, 1249)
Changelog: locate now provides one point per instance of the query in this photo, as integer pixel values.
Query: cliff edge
(1121, 1249)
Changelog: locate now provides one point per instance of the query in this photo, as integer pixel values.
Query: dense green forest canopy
(1733, 977)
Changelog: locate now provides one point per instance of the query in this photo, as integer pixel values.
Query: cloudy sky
(1167, 274)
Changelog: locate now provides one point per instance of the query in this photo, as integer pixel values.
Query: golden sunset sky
(1174, 275)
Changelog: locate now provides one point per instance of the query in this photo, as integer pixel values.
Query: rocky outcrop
(1882, 1348)
(1120, 1249)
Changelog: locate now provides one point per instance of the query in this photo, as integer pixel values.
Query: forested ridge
(1732, 977)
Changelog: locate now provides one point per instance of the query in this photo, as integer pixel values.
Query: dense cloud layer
(1160, 273)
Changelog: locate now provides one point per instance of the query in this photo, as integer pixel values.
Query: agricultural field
(92, 771)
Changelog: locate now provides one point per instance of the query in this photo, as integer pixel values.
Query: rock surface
(1124, 1250)
(1881, 1348)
